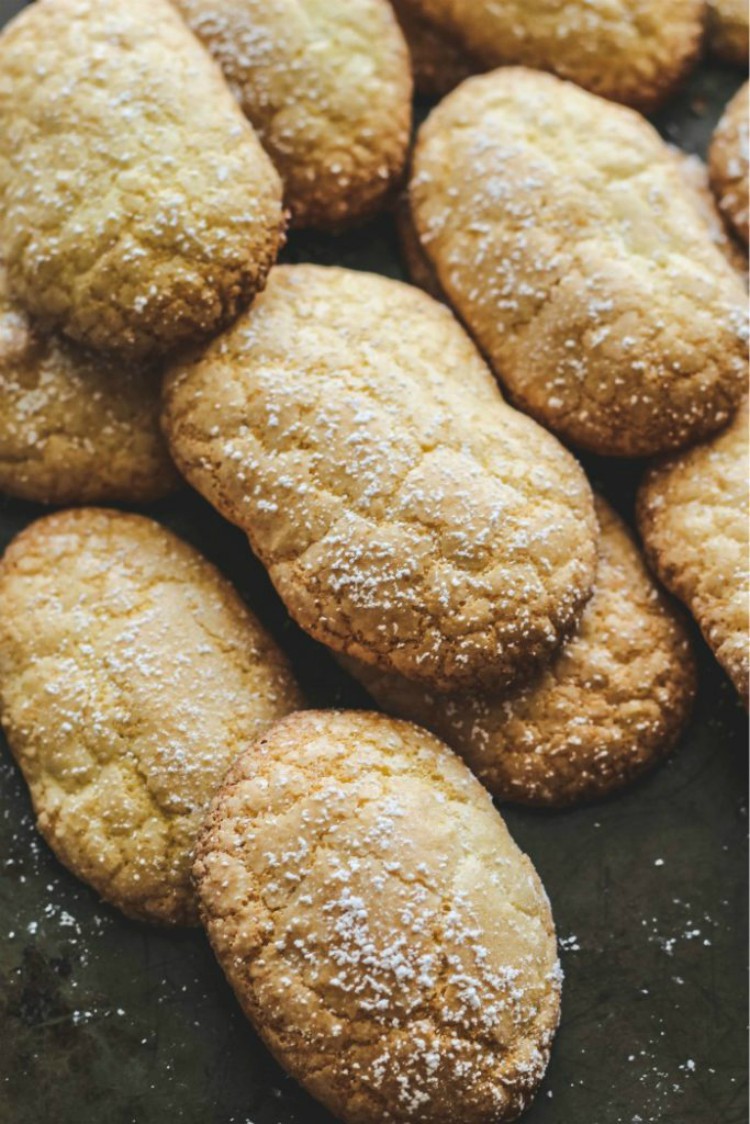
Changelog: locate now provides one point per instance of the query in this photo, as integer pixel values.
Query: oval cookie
(693, 517)
(131, 674)
(407, 516)
(610, 705)
(138, 209)
(728, 162)
(577, 259)
(388, 940)
(632, 51)
(75, 428)
(328, 88)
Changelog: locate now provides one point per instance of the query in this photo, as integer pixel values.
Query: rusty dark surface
(103, 1021)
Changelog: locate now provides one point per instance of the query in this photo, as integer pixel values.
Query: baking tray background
(104, 1021)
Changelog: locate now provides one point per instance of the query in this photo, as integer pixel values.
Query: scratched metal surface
(102, 1019)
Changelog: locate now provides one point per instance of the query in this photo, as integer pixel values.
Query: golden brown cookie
(576, 257)
(611, 704)
(131, 675)
(693, 516)
(439, 62)
(728, 162)
(632, 51)
(328, 88)
(728, 30)
(75, 428)
(138, 211)
(388, 940)
(407, 516)
(695, 173)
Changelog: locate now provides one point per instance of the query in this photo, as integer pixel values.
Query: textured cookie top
(693, 516)
(633, 51)
(131, 675)
(138, 209)
(75, 428)
(406, 514)
(575, 255)
(728, 161)
(609, 706)
(327, 86)
(382, 930)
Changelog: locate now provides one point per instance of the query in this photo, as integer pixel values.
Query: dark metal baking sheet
(104, 1020)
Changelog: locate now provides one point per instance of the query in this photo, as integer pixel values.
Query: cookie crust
(380, 928)
(406, 515)
(131, 675)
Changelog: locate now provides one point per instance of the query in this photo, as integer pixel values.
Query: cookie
(439, 63)
(636, 51)
(138, 211)
(728, 161)
(728, 31)
(407, 516)
(328, 88)
(382, 931)
(695, 174)
(611, 704)
(576, 257)
(693, 517)
(75, 428)
(131, 675)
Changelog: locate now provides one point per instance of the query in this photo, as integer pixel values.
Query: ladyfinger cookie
(380, 928)
(406, 515)
(693, 517)
(578, 260)
(328, 88)
(633, 51)
(74, 427)
(138, 211)
(131, 675)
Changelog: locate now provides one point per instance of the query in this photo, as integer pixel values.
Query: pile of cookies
(391, 944)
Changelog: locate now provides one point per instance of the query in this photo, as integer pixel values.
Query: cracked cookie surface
(380, 928)
(328, 88)
(406, 514)
(74, 427)
(577, 259)
(162, 213)
(610, 705)
(693, 517)
(728, 162)
(632, 51)
(131, 675)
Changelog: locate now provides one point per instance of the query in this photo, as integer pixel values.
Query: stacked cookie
(387, 938)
